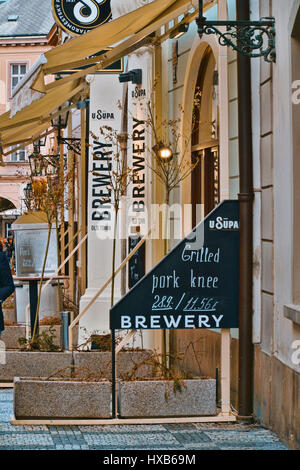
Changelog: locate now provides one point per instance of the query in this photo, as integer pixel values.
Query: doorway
(205, 187)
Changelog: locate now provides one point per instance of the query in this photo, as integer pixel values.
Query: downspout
(246, 195)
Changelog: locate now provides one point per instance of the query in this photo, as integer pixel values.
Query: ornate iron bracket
(73, 144)
(250, 38)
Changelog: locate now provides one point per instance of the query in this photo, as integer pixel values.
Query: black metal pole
(200, 8)
(113, 374)
(246, 226)
(33, 300)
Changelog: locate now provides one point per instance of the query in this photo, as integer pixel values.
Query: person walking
(6, 283)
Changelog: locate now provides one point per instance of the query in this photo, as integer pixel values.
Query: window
(19, 156)
(17, 73)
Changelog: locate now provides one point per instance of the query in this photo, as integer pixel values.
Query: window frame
(10, 75)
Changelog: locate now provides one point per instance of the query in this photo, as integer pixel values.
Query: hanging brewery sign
(80, 16)
(195, 286)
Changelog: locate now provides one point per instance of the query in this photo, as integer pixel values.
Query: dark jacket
(6, 284)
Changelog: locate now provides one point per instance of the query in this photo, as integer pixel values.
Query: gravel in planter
(147, 398)
(37, 364)
(61, 399)
(101, 361)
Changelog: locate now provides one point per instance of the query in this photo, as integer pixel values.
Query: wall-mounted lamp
(38, 144)
(134, 76)
(179, 31)
(163, 152)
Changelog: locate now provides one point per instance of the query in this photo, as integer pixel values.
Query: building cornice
(32, 40)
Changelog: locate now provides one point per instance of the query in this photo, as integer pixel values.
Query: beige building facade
(22, 41)
(184, 68)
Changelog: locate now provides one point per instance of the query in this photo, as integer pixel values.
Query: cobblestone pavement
(125, 437)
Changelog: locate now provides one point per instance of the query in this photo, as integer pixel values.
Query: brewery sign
(195, 286)
(77, 17)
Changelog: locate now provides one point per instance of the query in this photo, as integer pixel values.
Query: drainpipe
(246, 195)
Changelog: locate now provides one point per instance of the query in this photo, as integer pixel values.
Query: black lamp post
(38, 144)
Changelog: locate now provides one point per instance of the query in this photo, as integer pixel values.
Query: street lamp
(38, 144)
(60, 121)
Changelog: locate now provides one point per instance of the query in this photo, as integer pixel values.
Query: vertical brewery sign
(195, 286)
(139, 192)
(105, 93)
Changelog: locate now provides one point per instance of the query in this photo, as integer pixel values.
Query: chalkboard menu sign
(30, 252)
(195, 286)
(137, 263)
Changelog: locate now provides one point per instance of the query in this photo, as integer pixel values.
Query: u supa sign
(195, 286)
(80, 16)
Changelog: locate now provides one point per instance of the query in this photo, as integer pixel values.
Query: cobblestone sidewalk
(149, 437)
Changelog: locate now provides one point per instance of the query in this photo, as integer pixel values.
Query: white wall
(285, 331)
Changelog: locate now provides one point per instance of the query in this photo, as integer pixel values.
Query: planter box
(61, 399)
(101, 361)
(147, 399)
(33, 364)
(11, 334)
(9, 314)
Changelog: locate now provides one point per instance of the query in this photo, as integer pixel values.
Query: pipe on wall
(245, 196)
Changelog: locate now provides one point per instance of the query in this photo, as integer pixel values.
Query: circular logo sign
(80, 16)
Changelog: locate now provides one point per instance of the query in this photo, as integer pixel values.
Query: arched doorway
(205, 186)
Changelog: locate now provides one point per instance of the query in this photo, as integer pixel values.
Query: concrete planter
(33, 364)
(98, 362)
(148, 399)
(61, 399)
(9, 314)
(11, 334)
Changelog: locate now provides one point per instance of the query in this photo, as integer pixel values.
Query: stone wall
(277, 397)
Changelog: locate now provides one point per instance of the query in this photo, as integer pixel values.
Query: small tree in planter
(170, 164)
(119, 179)
(47, 196)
